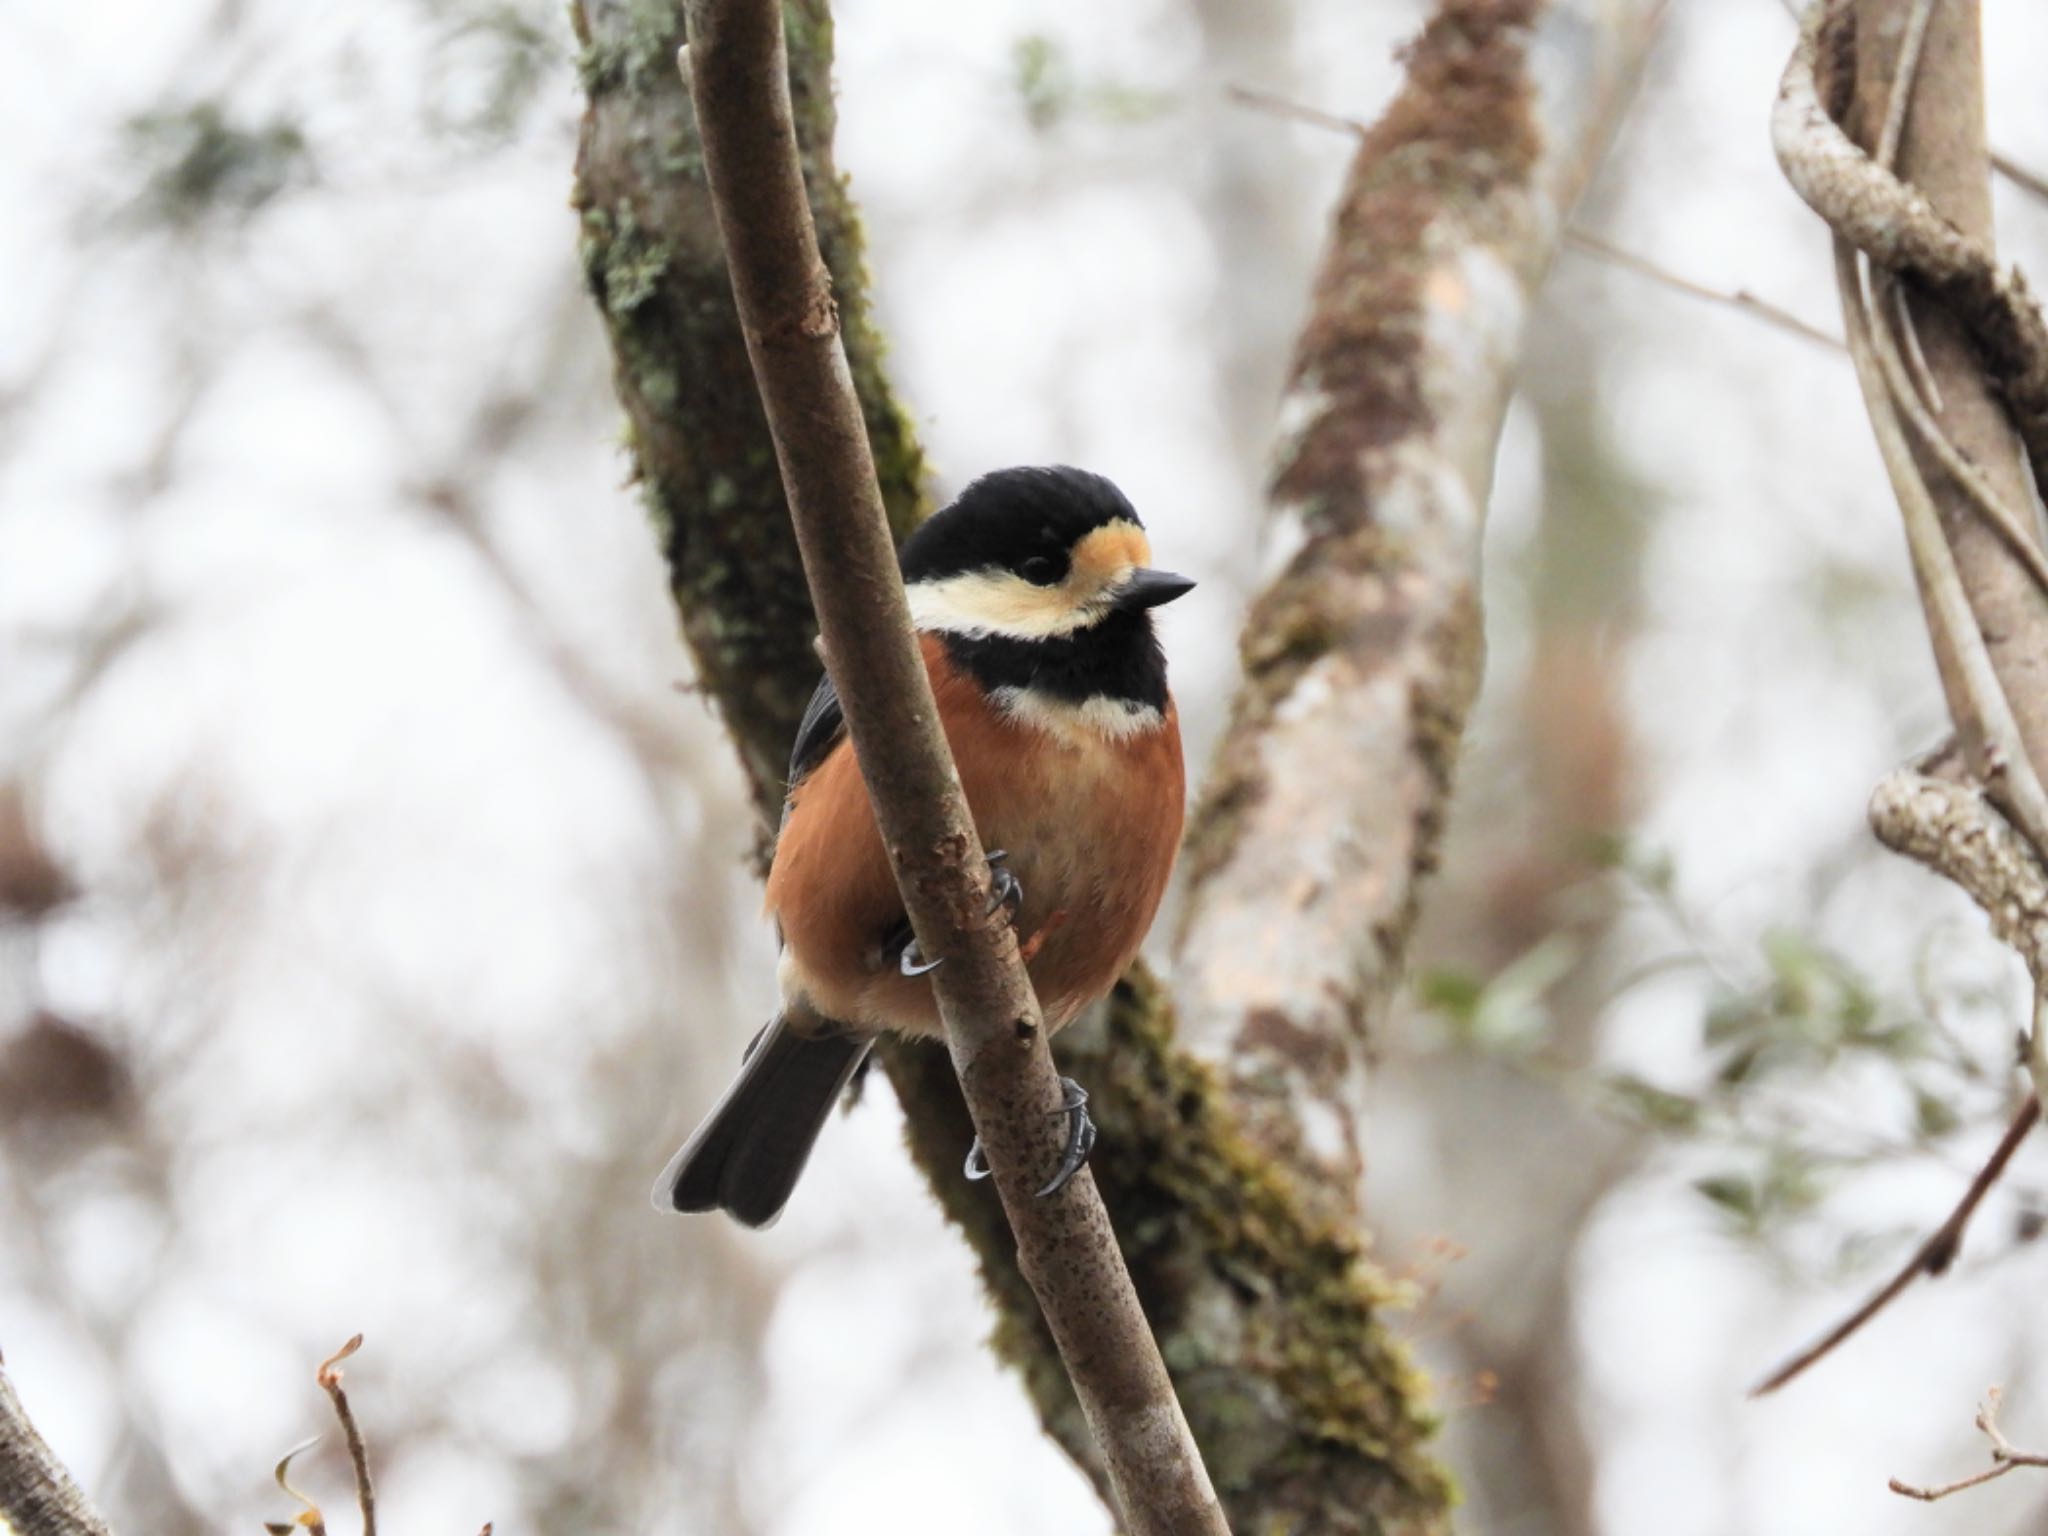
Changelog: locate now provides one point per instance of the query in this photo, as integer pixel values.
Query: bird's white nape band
(1077, 720)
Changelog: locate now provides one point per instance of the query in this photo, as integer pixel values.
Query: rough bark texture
(701, 449)
(1065, 1246)
(1943, 154)
(1322, 815)
(37, 1496)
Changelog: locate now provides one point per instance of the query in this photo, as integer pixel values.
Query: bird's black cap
(1023, 520)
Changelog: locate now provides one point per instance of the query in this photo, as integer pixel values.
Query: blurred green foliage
(1051, 93)
(1802, 1070)
(196, 162)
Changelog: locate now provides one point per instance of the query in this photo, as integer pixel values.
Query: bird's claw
(1080, 1135)
(1080, 1141)
(1006, 891)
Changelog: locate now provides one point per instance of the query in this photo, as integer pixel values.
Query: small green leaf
(1933, 1116)
(1658, 1108)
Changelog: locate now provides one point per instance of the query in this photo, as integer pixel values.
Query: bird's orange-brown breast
(1090, 819)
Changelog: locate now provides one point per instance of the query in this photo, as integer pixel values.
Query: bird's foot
(1006, 892)
(1080, 1140)
(1080, 1135)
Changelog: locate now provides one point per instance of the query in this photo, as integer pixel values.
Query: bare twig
(37, 1494)
(1932, 1257)
(736, 64)
(359, 1457)
(2005, 1456)
(2029, 181)
(1276, 105)
(1741, 300)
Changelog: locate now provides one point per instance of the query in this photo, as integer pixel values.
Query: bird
(1032, 595)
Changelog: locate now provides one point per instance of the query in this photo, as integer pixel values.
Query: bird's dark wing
(822, 729)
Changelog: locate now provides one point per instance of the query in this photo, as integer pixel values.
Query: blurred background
(374, 907)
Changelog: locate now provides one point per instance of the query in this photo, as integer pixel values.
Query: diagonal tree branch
(1320, 819)
(1065, 1246)
(38, 1497)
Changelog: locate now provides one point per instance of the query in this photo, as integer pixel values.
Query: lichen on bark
(699, 443)
(1273, 1322)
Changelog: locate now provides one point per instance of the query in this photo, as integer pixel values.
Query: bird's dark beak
(1149, 588)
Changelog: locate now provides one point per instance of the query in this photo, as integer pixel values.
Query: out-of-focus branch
(700, 445)
(2005, 1457)
(329, 1377)
(38, 1496)
(1934, 220)
(1065, 1246)
(1932, 1257)
(1320, 820)
(1741, 300)
(1905, 77)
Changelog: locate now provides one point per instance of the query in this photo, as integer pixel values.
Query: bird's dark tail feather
(747, 1155)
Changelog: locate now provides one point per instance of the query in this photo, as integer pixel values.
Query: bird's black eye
(1042, 570)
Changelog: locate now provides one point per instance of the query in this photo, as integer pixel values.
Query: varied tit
(1032, 596)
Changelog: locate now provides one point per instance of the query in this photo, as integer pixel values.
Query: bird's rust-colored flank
(1089, 914)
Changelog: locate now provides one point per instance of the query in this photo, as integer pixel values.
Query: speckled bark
(37, 1495)
(1320, 819)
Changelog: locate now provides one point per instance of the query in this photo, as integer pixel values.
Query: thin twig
(1276, 105)
(1980, 706)
(358, 1455)
(2005, 1456)
(1902, 84)
(1885, 298)
(2031, 182)
(1741, 300)
(738, 70)
(1932, 1257)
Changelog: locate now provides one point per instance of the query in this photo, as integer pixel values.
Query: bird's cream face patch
(1000, 602)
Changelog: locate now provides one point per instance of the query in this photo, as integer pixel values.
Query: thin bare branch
(358, 1454)
(1740, 300)
(2005, 1457)
(1276, 105)
(2031, 182)
(736, 63)
(1932, 1257)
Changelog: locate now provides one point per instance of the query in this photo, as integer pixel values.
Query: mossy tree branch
(1320, 821)
(701, 450)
